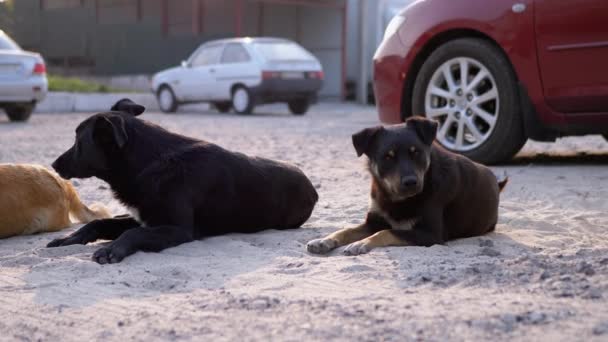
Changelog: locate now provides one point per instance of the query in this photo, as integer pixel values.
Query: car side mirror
(185, 64)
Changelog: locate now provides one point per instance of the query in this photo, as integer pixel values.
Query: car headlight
(393, 26)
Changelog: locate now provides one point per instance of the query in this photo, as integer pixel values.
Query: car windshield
(283, 51)
(6, 43)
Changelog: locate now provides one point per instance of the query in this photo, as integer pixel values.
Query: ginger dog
(34, 199)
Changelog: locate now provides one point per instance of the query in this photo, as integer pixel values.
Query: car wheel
(242, 101)
(166, 100)
(298, 107)
(469, 87)
(222, 107)
(19, 112)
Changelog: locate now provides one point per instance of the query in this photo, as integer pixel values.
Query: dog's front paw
(321, 246)
(66, 241)
(356, 248)
(110, 255)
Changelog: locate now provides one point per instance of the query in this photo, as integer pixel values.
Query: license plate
(292, 75)
(9, 68)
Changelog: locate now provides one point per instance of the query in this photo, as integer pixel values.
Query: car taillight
(316, 75)
(270, 74)
(39, 69)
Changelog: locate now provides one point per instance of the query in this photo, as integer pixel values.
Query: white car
(240, 73)
(23, 80)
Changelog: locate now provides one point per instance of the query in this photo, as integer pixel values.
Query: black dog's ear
(111, 128)
(363, 139)
(425, 128)
(128, 106)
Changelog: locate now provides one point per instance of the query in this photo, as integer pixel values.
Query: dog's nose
(408, 182)
(54, 165)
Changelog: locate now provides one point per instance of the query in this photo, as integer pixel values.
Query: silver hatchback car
(23, 81)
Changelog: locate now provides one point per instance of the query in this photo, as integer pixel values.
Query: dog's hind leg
(107, 229)
(59, 219)
(340, 238)
(147, 239)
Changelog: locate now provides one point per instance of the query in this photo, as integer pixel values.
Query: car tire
(222, 107)
(298, 107)
(605, 136)
(19, 112)
(487, 105)
(242, 100)
(166, 99)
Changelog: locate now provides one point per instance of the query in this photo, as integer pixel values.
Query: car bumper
(282, 90)
(33, 89)
(389, 79)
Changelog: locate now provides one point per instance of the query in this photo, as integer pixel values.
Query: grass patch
(76, 85)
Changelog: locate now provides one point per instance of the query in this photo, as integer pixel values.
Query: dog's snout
(61, 167)
(409, 182)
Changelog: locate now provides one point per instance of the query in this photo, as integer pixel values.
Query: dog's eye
(414, 151)
(390, 155)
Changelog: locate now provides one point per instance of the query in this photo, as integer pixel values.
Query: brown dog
(34, 199)
(421, 193)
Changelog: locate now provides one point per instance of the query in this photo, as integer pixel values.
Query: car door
(198, 80)
(572, 43)
(236, 66)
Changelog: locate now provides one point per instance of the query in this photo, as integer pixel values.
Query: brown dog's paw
(109, 255)
(357, 248)
(321, 246)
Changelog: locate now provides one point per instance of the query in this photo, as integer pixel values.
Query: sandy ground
(543, 275)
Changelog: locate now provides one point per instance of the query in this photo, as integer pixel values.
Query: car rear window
(282, 51)
(7, 44)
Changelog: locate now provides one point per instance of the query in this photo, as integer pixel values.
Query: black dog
(178, 189)
(421, 193)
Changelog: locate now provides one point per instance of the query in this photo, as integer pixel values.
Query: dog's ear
(363, 139)
(425, 128)
(128, 106)
(111, 128)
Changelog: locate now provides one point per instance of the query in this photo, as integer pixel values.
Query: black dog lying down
(421, 193)
(178, 189)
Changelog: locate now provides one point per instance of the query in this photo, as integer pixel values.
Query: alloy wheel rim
(463, 97)
(240, 100)
(166, 99)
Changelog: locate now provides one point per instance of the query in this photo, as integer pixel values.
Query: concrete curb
(63, 102)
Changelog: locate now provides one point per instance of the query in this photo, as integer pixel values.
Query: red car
(495, 73)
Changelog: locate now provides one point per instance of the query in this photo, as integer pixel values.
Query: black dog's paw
(66, 241)
(110, 255)
(321, 246)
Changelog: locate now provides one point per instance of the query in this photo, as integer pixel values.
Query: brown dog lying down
(34, 199)
(421, 193)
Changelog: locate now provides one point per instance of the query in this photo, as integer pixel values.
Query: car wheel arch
(236, 85)
(163, 85)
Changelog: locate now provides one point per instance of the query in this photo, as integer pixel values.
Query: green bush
(76, 85)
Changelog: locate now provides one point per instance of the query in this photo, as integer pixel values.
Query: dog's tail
(80, 211)
(503, 183)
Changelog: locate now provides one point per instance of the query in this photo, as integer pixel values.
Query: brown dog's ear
(425, 128)
(363, 139)
(111, 128)
(128, 106)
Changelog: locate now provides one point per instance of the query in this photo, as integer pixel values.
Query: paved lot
(542, 276)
